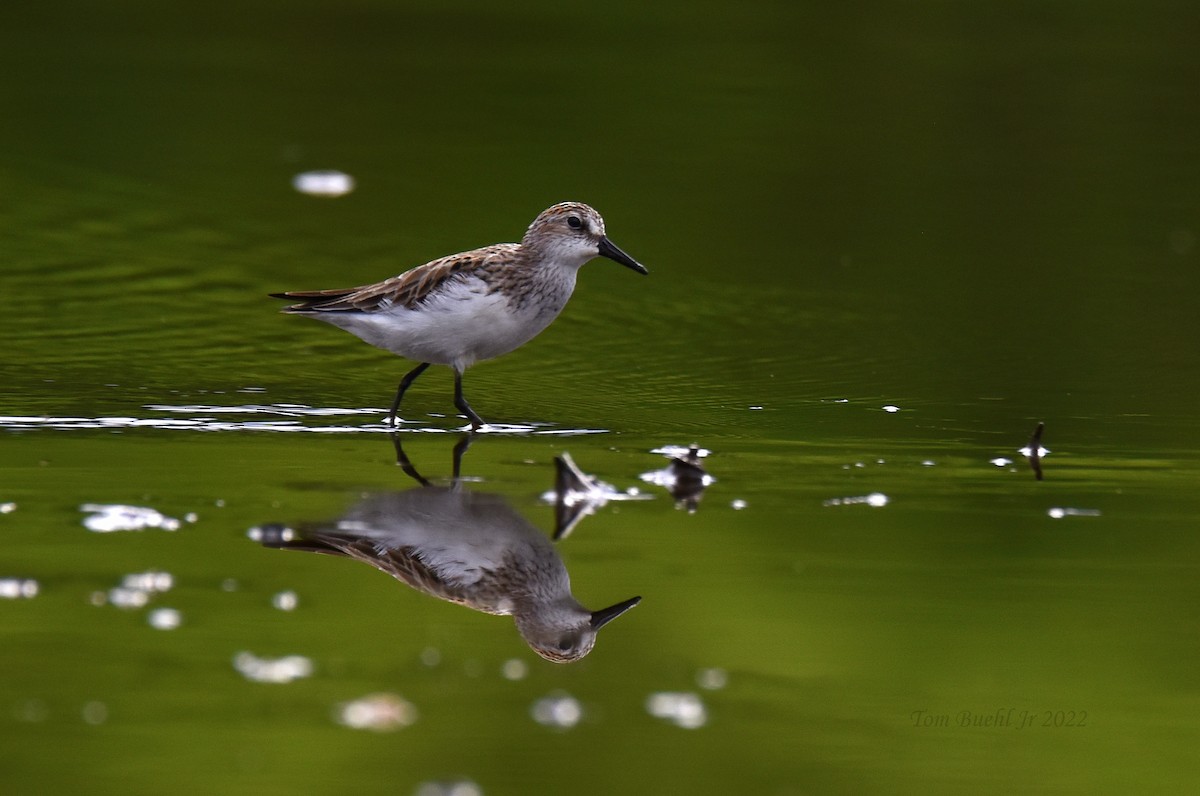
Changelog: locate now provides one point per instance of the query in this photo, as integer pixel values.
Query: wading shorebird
(468, 307)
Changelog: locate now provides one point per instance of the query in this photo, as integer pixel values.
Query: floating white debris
(891, 408)
(1028, 451)
(323, 182)
(8, 508)
(712, 679)
(151, 581)
(272, 670)
(164, 619)
(32, 710)
(458, 787)
(285, 601)
(272, 533)
(135, 590)
(95, 712)
(558, 709)
(1000, 461)
(109, 517)
(682, 451)
(684, 709)
(514, 669)
(1058, 513)
(738, 504)
(755, 408)
(875, 499)
(18, 588)
(377, 712)
(124, 598)
(929, 463)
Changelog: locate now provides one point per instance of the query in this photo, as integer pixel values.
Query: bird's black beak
(609, 249)
(605, 615)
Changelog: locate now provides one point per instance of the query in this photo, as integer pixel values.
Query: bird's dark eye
(574, 223)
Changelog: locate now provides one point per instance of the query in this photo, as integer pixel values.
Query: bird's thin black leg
(461, 402)
(408, 379)
(459, 450)
(405, 464)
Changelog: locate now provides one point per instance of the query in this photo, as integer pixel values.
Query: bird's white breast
(460, 323)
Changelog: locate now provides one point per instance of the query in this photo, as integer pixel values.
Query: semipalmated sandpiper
(468, 307)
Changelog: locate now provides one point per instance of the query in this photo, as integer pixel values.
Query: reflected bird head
(567, 635)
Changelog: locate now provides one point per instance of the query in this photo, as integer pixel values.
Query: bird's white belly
(460, 326)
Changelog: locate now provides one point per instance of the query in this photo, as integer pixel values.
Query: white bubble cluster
(151, 581)
(135, 590)
(875, 499)
(272, 670)
(285, 601)
(1059, 512)
(275, 534)
(514, 669)
(164, 619)
(558, 709)
(458, 787)
(712, 679)
(95, 712)
(376, 712)
(323, 182)
(110, 517)
(18, 588)
(682, 708)
(681, 451)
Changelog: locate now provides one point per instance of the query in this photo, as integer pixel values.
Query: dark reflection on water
(1034, 451)
(466, 547)
(684, 477)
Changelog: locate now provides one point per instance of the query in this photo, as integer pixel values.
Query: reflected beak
(605, 615)
(609, 249)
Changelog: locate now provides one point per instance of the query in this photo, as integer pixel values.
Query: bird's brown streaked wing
(402, 563)
(407, 290)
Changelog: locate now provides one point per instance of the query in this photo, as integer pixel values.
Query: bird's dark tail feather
(311, 299)
(282, 537)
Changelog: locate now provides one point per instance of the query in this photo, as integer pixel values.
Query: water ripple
(202, 419)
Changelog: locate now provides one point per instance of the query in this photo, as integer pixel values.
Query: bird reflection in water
(466, 547)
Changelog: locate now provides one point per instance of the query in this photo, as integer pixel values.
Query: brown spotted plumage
(467, 548)
(472, 306)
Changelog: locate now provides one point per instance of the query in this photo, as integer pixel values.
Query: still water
(885, 242)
